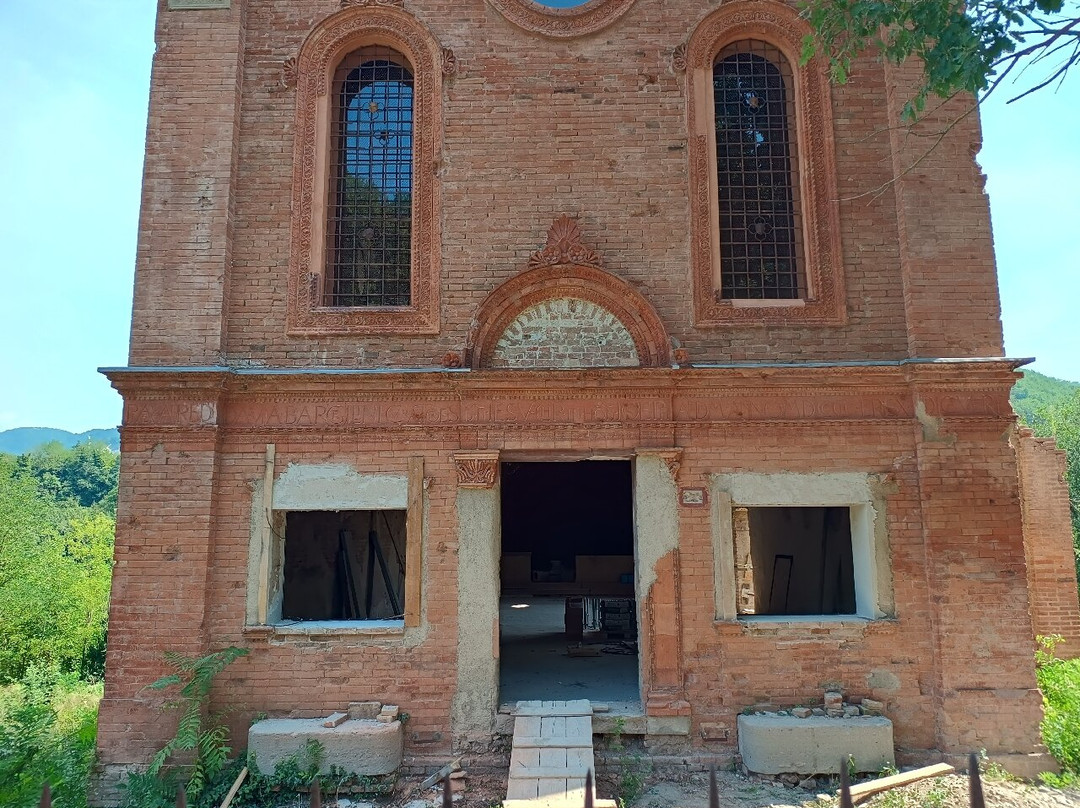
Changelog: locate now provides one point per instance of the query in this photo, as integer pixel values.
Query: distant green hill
(1035, 391)
(27, 438)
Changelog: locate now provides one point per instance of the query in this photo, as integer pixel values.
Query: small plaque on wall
(185, 5)
(693, 497)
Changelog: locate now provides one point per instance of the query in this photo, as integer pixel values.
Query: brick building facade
(823, 480)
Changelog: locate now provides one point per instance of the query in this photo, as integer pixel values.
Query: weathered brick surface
(565, 333)
(594, 127)
(1044, 494)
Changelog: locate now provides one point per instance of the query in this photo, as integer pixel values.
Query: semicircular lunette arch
(566, 312)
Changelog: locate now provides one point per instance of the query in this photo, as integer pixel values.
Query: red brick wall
(953, 662)
(1048, 538)
(186, 229)
(594, 127)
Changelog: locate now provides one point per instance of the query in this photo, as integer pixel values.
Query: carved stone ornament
(476, 469)
(672, 459)
(678, 58)
(288, 72)
(355, 3)
(449, 62)
(562, 23)
(363, 22)
(564, 247)
(780, 26)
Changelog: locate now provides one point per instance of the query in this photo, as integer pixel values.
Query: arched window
(764, 213)
(369, 222)
(366, 202)
(757, 174)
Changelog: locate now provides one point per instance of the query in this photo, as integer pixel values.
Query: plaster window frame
(779, 26)
(325, 47)
(331, 487)
(869, 538)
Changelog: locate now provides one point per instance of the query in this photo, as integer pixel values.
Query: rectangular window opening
(344, 565)
(793, 561)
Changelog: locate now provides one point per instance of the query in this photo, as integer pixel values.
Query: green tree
(55, 570)
(964, 47)
(86, 474)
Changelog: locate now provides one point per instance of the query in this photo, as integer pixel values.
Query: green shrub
(47, 728)
(1059, 680)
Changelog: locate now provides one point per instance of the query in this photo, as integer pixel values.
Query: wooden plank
(566, 708)
(431, 780)
(414, 543)
(235, 787)
(554, 759)
(266, 534)
(863, 791)
(523, 758)
(545, 772)
(550, 788)
(580, 759)
(553, 726)
(521, 789)
(526, 742)
(559, 801)
(526, 727)
(579, 726)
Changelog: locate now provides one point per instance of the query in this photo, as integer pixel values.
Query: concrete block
(359, 747)
(336, 720)
(364, 709)
(774, 744)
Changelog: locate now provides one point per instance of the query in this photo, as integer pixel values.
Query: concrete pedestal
(357, 746)
(776, 744)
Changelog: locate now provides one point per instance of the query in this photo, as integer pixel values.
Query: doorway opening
(567, 613)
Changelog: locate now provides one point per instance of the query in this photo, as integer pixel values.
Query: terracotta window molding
(562, 23)
(823, 302)
(323, 50)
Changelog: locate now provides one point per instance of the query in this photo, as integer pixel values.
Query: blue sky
(72, 123)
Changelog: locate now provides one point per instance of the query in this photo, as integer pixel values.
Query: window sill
(807, 626)
(762, 303)
(312, 629)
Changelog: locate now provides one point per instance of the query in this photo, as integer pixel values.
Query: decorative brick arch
(566, 269)
(562, 23)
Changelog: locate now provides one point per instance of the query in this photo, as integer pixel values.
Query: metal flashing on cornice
(266, 371)
(278, 371)
(868, 363)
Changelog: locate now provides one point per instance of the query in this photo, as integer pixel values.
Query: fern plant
(208, 743)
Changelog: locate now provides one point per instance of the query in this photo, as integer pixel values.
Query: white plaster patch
(565, 333)
(338, 487)
(823, 490)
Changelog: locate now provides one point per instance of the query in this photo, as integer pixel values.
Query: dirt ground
(487, 789)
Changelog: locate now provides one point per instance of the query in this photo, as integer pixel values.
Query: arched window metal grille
(757, 174)
(369, 222)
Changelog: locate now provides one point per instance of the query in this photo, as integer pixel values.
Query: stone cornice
(649, 398)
